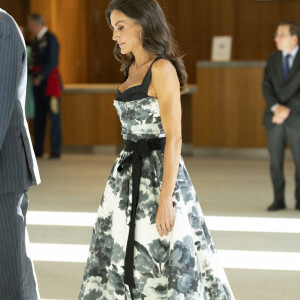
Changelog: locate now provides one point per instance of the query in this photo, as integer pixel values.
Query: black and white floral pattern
(182, 266)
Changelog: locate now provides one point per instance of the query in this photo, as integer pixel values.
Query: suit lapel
(295, 66)
(279, 66)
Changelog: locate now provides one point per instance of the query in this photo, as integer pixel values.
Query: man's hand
(36, 81)
(281, 113)
(277, 120)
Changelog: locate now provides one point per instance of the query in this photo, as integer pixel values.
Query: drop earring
(140, 34)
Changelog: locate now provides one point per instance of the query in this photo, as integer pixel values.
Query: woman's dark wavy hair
(157, 37)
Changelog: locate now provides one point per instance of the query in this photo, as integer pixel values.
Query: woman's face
(126, 32)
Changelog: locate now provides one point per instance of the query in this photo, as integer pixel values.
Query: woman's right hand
(165, 216)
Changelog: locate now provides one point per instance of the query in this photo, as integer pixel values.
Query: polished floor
(259, 250)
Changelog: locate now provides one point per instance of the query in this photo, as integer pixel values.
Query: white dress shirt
(42, 32)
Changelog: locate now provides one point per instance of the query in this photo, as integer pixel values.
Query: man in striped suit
(18, 166)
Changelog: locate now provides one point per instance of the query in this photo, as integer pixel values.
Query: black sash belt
(141, 149)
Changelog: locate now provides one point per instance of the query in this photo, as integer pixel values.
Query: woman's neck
(142, 57)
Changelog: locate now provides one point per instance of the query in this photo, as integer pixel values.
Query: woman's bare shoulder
(163, 66)
(163, 70)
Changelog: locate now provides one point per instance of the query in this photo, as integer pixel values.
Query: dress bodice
(139, 113)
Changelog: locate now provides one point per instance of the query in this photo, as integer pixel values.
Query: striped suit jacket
(18, 166)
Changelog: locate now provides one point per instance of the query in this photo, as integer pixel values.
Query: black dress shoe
(297, 206)
(54, 156)
(276, 206)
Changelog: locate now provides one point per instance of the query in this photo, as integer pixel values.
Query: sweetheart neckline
(121, 93)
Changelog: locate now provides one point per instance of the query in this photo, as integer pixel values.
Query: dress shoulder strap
(147, 79)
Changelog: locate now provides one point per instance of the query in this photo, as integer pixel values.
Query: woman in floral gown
(150, 240)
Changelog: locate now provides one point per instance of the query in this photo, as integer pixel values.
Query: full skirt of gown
(182, 265)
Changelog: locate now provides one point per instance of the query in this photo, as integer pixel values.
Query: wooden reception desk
(228, 108)
(88, 115)
(90, 119)
(223, 110)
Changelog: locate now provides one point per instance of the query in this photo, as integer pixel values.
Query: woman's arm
(167, 87)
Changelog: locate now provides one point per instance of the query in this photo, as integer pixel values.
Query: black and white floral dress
(182, 266)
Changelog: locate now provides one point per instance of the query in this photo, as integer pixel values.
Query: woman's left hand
(165, 216)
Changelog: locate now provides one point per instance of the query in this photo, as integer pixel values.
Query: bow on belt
(141, 149)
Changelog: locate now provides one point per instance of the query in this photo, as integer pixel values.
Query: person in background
(281, 88)
(43, 65)
(18, 167)
(29, 103)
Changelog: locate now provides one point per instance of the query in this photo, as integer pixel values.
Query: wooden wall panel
(18, 9)
(69, 24)
(195, 22)
(101, 65)
(193, 25)
(255, 24)
(45, 8)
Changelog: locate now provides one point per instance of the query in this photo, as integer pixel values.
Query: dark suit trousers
(278, 136)
(17, 279)
(42, 109)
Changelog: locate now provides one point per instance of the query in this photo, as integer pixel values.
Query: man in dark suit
(281, 88)
(18, 167)
(43, 65)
